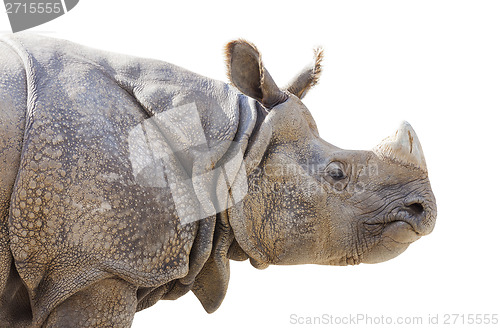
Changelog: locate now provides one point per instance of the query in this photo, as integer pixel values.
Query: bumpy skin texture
(77, 214)
(12, 122)
(90, 306)
(80, 226)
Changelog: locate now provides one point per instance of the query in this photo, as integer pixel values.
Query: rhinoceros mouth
(401, 232)
(390, 239)
(397, 230)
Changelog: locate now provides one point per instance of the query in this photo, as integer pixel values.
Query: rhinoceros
(125, 181)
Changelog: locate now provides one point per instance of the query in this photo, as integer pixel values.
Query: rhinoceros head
(312, 202)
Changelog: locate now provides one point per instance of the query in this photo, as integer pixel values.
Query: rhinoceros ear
(308, 78)
(248, 74)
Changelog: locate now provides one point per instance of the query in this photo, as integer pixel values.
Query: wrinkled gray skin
(84, 244)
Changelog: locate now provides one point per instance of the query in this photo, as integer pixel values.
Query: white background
(435, 64)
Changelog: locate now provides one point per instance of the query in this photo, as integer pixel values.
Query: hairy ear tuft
(308, 78)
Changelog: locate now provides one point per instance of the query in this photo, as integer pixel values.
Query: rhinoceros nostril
(415, 209)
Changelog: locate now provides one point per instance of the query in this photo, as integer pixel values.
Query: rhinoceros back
(78, 212)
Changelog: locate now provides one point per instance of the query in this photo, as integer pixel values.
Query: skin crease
(84, 244)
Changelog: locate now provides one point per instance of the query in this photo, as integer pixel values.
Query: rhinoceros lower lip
(400, 232)
(397, 230)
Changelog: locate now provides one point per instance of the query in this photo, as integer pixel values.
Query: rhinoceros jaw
(403, 147)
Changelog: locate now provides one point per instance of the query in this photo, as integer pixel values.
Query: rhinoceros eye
(334, 173)
(337, 174)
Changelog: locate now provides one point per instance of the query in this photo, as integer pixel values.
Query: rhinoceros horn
(403, 147)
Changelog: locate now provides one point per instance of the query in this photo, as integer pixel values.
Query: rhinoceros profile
(124, 181)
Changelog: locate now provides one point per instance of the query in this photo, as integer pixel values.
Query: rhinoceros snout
(421, 214)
